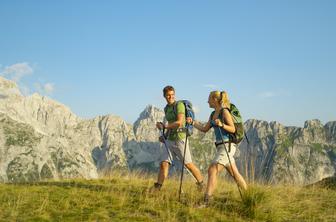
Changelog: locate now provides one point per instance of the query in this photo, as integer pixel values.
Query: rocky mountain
(41, 139)
(276, 153)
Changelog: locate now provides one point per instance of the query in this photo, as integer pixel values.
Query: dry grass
(125, 197)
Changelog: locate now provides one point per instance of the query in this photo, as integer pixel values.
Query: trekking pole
(171, 158)
(184, 152)
(165, 145)
(227, 154)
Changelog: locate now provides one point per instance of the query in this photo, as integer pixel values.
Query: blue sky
(276, 59)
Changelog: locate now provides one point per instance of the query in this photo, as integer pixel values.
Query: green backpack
(238, 135)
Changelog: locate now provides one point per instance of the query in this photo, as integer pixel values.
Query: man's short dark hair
(166, 89)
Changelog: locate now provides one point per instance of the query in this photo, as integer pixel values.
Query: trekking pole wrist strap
(163, 126)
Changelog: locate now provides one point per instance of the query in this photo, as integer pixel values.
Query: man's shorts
(221, 155)
(176, 148)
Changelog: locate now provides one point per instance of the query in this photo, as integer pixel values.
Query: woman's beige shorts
(221, 155)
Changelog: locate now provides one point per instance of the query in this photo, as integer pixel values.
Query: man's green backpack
(238, 135)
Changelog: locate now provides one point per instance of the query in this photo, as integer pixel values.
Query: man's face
(170, 97)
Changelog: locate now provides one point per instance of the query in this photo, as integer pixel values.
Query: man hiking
(176, 139)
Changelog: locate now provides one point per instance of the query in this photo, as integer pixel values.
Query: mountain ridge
(50, 141)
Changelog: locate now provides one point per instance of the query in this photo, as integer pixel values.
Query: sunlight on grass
(125, 197)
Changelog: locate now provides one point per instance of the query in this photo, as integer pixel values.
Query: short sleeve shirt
(172, 117)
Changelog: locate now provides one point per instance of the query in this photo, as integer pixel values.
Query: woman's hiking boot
(155, 188)
(206, 201)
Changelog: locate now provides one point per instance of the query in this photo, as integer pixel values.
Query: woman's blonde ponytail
(224, 100)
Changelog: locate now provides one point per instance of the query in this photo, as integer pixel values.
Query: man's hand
(159, 125)
(189, 120)
(161, 139)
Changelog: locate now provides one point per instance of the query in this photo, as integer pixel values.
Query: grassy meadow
(125, 197)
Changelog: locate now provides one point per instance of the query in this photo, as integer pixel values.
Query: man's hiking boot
(200, 186)
(155, 188)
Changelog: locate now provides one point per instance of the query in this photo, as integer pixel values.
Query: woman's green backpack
(238, 135)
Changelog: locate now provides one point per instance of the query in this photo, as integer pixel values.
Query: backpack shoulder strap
(222, 111)
(212, 114)
(210, 118)
(229, 109)
(165, 109)
(175, 106)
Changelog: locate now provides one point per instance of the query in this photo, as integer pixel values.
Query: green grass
(285, 143)
(318, 147)
(126, 198)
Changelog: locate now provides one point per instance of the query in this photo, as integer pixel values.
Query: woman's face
(212, 102)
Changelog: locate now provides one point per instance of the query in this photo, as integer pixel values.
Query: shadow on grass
(112, 186)
(327, 183)
(67, 184)
(226, 202)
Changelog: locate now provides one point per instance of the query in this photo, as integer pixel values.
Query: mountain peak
(314, 123)
(8, 88)
(150, 112)
(145, 124)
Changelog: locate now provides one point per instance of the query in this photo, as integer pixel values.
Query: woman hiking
(222, 122)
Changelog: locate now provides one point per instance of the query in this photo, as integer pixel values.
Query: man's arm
(174, 125)
(180, 110)
(180, 119)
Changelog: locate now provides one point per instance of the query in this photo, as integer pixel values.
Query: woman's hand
(219, 123)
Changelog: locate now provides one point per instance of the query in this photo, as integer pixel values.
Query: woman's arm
(227, 124)
(200, 126)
